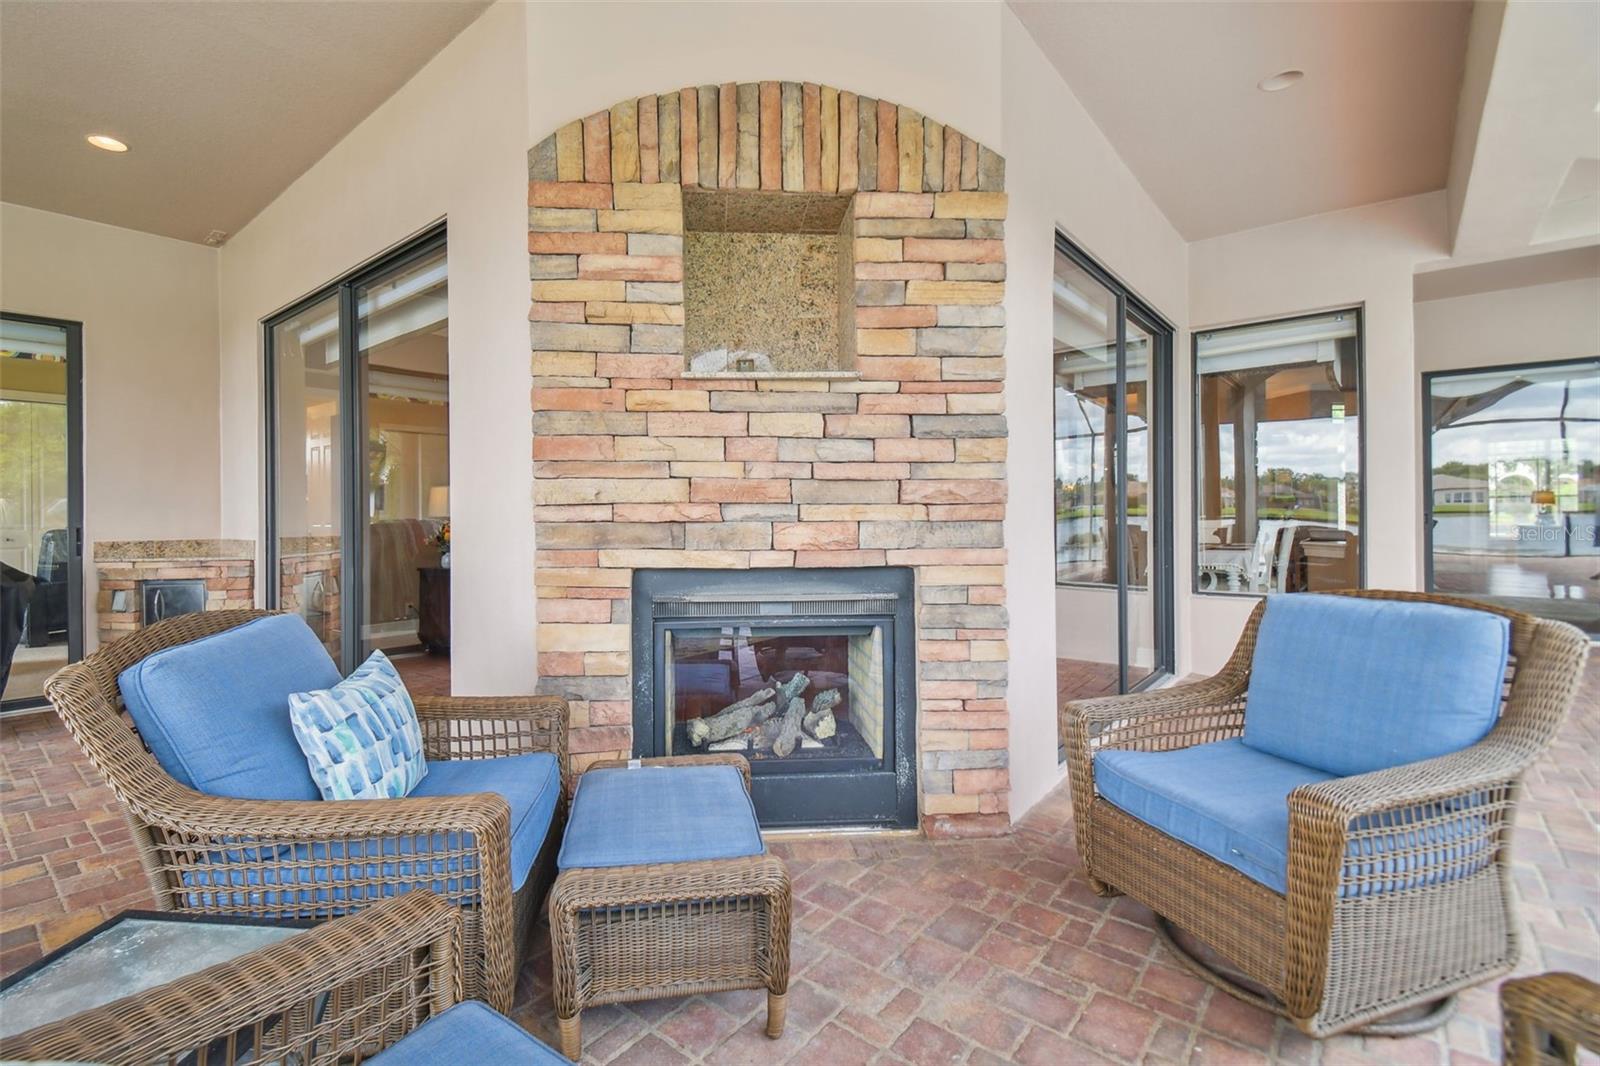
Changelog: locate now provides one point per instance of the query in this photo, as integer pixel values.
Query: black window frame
(1427, 379)
(352, 435)
(75, 599)
(1162, 542)
(1197, 442)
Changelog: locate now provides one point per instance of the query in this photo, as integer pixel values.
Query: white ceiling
(1533, 176)
(222, 104)
(1173, 86)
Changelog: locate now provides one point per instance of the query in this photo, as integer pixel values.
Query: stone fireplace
(810, 675)
(767, 337)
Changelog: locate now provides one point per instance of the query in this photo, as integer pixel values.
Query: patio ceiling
(223, 105)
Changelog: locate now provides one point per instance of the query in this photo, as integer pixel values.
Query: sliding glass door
(1513, 455)
(1111, 367)
(41, 504)
(359, 463)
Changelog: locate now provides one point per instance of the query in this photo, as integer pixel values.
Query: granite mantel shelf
(773, 375)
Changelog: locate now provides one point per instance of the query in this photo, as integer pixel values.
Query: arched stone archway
(770, 135)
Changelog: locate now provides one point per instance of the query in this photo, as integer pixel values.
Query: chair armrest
(359, 982)
(1487, 765)
(1406, 827)
(490, 727)
(217, 854)
(1180, 716)
(1548, 1017)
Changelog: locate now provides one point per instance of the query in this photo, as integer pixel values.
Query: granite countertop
(113, 551)
(774, 375)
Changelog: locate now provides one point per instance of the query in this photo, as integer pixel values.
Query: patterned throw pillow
(361, 737)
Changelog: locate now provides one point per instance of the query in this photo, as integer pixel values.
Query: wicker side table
(1547, 1018)
(625, 933)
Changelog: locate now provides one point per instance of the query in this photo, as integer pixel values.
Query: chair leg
(777, 1011)
(1101, 888)
(571, 1036)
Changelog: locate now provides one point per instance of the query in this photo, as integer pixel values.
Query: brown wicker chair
(220, 841)
(336, 993)
(1547, 1018)
(1332, 963)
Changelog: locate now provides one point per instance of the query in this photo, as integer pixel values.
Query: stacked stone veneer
(226, 566)
(901, 462)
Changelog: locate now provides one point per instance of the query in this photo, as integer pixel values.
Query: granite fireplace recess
(768, 350)
(809, 675)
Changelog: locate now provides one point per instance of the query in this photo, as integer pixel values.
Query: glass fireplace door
(809, 697)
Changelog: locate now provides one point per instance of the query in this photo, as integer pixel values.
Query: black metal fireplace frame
(786, 797)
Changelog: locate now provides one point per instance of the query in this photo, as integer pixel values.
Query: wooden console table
(433, 608)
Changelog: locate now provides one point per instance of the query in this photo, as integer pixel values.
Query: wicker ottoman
(665, 889)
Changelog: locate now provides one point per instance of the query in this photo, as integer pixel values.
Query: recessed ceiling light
(109, 144)
(1276, 83)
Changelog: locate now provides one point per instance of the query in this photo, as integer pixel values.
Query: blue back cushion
(1350, 685)
(215, 712)
(653, 814)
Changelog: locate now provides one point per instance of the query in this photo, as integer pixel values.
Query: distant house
(1448, 488)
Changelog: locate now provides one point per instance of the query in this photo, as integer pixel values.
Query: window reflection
(1086, 463)
(1515, 481)
(1280, 456)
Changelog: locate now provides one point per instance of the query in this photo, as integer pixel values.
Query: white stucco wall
(1061, 173)
(1535, 324)
(940, 58)
(1366, 257)
(451, 143)
(149, 311)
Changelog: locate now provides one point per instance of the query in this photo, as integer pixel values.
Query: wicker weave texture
(1334, 953)
(1547, 1018)
(211, 855)
(628, 933)
(336, 993)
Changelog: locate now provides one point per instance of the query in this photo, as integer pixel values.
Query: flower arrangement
(441, 540)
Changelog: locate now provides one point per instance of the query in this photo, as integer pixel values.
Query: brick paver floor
(905, 950)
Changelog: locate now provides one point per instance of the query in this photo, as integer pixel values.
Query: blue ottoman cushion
(1351, 685)
(468, 1031)
(653, 814)
(215, 711)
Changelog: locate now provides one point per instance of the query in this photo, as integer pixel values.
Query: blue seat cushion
(323, 878)
(531, 784)
(651, 814)
(1231, 802)
(1351, 685)
(447, 1037)
(215, 711)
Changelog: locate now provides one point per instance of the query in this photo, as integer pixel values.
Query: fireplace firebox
(809, 674)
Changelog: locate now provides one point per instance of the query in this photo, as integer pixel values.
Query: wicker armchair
(333, 994)
(1331, 954)
(1547, 1018)
(190, 842)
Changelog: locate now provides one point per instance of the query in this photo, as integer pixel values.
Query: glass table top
(128, 954)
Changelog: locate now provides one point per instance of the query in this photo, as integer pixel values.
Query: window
(1112, 454)
(358, 497)
(1513, 455)
(1278, 456)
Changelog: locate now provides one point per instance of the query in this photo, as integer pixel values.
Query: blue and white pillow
(361, 737)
